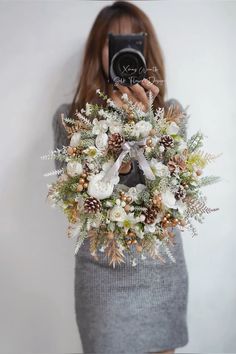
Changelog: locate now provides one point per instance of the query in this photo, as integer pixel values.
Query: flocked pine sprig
(83, 119)
(86, 134)
(195, 142)
(80, 239)
(207, 180)
(189, 226)
(54, 154)
(49, 156)
(69, 120)
(54, 172)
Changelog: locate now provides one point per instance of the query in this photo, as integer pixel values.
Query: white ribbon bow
(136, 151)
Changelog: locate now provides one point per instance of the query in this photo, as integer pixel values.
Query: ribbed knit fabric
(129, 309)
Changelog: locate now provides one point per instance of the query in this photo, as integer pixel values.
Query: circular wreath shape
(116, 218)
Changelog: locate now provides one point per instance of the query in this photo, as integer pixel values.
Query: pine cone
(150, 215)
(92, 205)
(172, 166)
(180, 162)
(176, 162)
(181, 192)
(115, 141)
(167, 141)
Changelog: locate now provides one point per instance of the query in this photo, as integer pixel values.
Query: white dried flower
(124, 97)
(74, 168)
(101, 141)
(168, 199)
(142, 129)
(75, 139)
(99, 126)
(159, 169)
(173, 128)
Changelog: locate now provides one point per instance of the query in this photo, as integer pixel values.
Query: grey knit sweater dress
(128, 309)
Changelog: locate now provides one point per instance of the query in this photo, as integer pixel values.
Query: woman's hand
(137, 94)
(125, 167)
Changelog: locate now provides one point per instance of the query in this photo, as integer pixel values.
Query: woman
(127, 309)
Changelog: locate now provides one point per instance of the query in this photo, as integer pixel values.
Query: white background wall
(41, 45)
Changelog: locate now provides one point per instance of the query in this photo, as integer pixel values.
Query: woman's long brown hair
(92, 75)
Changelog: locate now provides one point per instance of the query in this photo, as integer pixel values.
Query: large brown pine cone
(150, 215)
(167, 141)
(92, 205)
(115, 141)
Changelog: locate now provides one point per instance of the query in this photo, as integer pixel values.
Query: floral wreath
(117, 218)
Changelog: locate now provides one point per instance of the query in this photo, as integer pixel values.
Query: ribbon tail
(144, 165)
(114, 169)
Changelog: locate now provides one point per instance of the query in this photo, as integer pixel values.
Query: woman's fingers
(124, 89)
(140, 93)
(137, 94)
(148, 85)
(118, 101)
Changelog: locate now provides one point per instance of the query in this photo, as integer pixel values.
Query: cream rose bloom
(168, 199)
(117, 213)
(100, 189)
